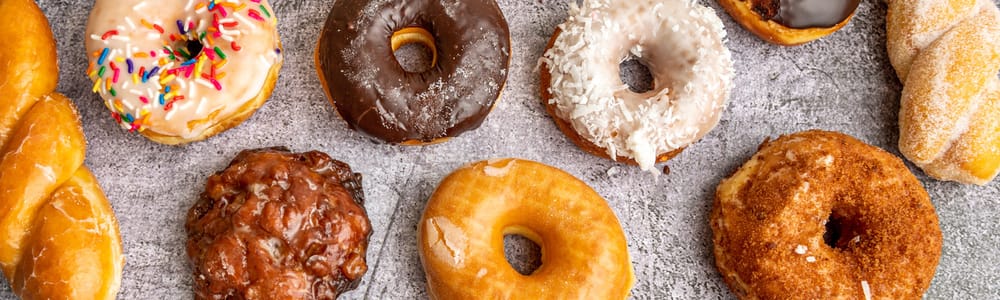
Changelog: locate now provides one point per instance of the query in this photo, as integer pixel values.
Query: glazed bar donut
(791, 22)
(186, 70)
(947, 55)
(470, 46)
(461, 233)
(682, 45)
(60, 235)
(279, 225)
(821, 215)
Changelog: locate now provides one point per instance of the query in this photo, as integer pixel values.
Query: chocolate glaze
(803, 14)
(373, 93)
(279, 225)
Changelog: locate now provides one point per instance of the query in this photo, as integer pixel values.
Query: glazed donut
(821, 215)
(60, 235)
(279, 225)
(470, 45)
(682, 45)
(184, 71)
(791, 23)
(461, 233)
(947, 55)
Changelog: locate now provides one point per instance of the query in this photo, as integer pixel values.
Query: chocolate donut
(470, 42)
(791, 22)
(279, 225)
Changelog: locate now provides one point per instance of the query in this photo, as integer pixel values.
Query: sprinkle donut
(821, 215)
(682, 45)
(184, 71)
(470, 45)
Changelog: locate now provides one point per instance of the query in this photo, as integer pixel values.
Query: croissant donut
(947, 55)
(60, 235)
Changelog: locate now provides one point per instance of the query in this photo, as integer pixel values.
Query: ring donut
(821, 215)
(680, 42)
(461, 233)
(184, 71)
(470, 46)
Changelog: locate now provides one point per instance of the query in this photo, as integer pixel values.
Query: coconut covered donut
(682, 45)
(460, 236)
(821, 215)
(183, 71)
(947, 55)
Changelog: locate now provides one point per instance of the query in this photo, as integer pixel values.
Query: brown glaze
(373, 93)
(279, 225)
(822, 215)
(805, 13)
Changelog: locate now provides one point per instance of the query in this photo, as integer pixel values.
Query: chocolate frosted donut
(279, 225)
(470, 42)
(791, 22)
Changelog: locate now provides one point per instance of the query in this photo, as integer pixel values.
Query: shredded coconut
(682, 44)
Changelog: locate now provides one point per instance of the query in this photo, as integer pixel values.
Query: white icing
(245, 70)
(682, 44)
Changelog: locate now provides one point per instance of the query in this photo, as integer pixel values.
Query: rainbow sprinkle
(160, 77)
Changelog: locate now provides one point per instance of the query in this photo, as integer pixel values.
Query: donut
(680, 42)
(947, 55)
(461, 232)
(185, 71)
(821, 215)
(60, 235)
(470, 45)
(279, 225)
(791, 23)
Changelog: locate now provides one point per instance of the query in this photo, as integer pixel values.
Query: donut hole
(414, 58)
(523, 254)
(634, 73)
(840, 232)
(414, 49)
(193, 47)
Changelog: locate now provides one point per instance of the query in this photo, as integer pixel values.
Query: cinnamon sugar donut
(821, 215)
(682, 45)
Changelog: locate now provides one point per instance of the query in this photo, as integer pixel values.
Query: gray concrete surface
(843, 82)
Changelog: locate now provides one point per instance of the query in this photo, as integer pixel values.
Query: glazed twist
(947, 55)
(59, 235)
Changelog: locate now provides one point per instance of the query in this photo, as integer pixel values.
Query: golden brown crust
(244, 113)
(460, 235)
(769, 220)
(61, 236)
(772, 31)
(545, 79)
(947, 55)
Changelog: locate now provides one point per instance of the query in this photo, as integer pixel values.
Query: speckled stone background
(843, 82)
